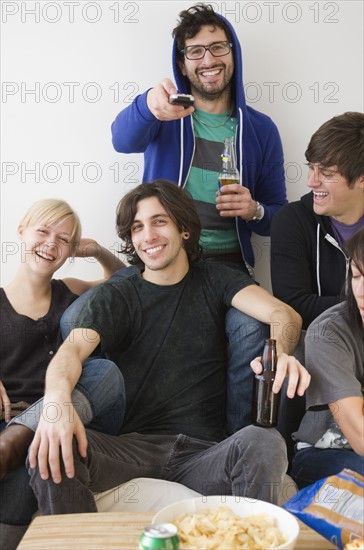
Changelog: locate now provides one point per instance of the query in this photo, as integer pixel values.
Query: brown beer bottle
(228, 172)
(265, 402)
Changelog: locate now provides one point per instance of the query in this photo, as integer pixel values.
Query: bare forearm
(285, 327)
(109, 260)
(285, 323)
(349, 414)
(62, 376)
(64, 371)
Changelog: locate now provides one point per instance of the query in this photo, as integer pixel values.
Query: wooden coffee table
(114, 530)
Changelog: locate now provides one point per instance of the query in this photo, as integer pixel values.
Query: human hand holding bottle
(233, 199)
(287, 367)
(265, 401)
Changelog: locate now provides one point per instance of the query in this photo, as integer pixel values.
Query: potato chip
(219, 528)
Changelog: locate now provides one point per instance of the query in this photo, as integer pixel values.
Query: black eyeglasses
(217, 49)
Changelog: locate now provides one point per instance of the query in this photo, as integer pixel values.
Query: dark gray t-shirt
(334, 356)
(170, 344)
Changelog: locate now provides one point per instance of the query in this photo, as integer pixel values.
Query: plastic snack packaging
(334, 507)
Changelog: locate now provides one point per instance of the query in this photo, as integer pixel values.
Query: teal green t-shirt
(218, 233)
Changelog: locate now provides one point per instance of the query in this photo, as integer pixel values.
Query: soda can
(161, 537)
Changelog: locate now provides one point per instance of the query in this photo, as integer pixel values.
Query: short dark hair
(191, 21)
(354, 248)
(340, 142)
(178, 204)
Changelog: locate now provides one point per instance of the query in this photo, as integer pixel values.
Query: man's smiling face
(158, 243)
(209, 76)
(332, 196)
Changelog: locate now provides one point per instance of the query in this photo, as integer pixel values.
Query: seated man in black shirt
(164, 327)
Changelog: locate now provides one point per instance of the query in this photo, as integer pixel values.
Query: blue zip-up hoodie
(168, 148)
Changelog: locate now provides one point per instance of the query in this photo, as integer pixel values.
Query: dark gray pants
(250, 463)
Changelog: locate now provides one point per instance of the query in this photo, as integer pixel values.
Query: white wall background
(68, 67)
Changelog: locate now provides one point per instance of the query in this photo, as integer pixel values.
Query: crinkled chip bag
(333, 506)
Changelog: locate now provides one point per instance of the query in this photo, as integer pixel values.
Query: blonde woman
(31, 306)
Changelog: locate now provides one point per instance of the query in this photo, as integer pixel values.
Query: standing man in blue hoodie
(184, 145)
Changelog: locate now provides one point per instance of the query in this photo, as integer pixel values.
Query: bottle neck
(228, 159)
(269, 357)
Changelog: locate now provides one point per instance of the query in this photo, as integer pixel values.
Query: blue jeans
(245, 337)
(99, 399)
(311, 464)
(239, 465)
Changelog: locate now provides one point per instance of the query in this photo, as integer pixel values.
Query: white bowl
(242, 506)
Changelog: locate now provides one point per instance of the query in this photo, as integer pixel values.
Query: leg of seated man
(239, 465)
(99, 399)
(311, 464)
(103, 385)
(246, 338)
(110, 462)
(251, 463)
(70, 315)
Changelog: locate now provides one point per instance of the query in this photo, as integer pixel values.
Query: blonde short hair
(53, 211)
